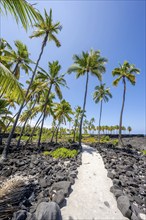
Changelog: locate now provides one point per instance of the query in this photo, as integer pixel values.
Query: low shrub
(115, 142)
(63, 153)
(70, 140)
(143, 152)
(46, 153)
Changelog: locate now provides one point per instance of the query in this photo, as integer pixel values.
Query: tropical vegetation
(41, 99)
(124, 73)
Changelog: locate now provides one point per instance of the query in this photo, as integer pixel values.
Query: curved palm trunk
(6, 148)
(74, 137)
(84, 105)
(22, 130)
(44, 113)
(53, 134)
(121, 115)
(57, 132)
(32, 133)
(100, 121)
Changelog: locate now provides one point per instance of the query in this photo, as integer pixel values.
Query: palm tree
(78, 113)
(47, 29)
(101, 94)
(54, 79)
(20, 59)
(62, 113)
(124, 72)
(129, 129)
(21, 10)
(89, 62)
(91, 125)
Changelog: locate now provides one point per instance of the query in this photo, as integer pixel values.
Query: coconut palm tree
(78, 113)
(30, 113)
(46, 29)
(89, 62)
(129, 129)
(101, 94)
(54, 79)
(91, 124)
(19, 59)
(62, 113)
(123, 73)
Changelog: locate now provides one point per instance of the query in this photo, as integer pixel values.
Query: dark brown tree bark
(84, 106)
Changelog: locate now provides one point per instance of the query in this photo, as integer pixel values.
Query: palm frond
(116, 81)
(22, 11)
(9, 85)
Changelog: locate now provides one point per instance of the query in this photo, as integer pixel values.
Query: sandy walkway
(91, 197)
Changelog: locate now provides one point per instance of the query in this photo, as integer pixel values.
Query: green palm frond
(73, 68)
(58, 91)
(125, 71)
(21, 10)
(38, 33)
(116, 81)
(135, 70)
(54, 38)
(9, 85)
(2, 125)
(131, 78)
(45, 26)
(116, 72)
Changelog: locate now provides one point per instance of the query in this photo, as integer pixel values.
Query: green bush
(63, 153)
(143, 152)
(46, 153)
(115, 142)
(70, 140)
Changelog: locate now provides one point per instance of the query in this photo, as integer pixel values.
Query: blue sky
(117, 29)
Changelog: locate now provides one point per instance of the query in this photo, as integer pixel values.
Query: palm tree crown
(88, 62)
(20, 59)
(48, 29)
(101, 93)
(125, 71)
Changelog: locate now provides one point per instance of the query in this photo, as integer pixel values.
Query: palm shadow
(88, 149)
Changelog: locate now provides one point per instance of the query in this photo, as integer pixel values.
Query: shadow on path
(88, 149)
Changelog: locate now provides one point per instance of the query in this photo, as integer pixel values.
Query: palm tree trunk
(121, 115)
(57, 133)
(6, 148)
(74, 137)
(22, 130)
(100, 121)
(33, 130)
(17, 64)
(84, 105)
(46, 102)
(53, 135)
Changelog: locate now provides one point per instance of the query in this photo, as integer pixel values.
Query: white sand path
(91, 197)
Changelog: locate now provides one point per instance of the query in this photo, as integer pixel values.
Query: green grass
(61, 153)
